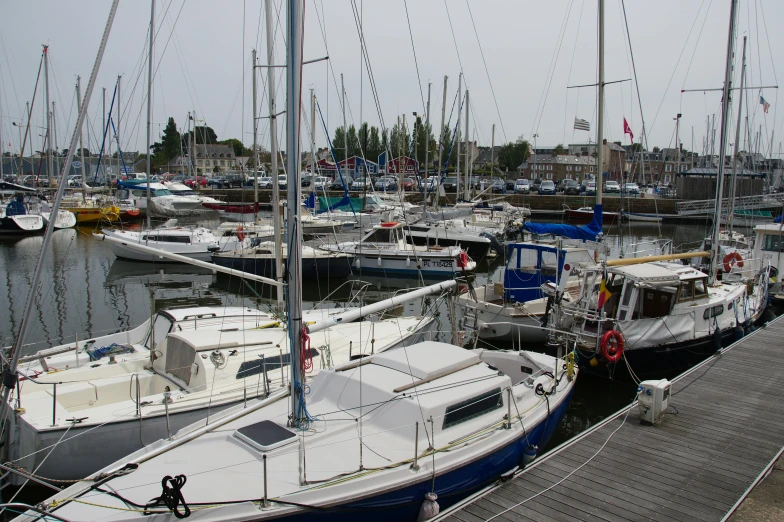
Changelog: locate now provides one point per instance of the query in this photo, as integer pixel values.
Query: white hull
(199, 250)
(643, 218)
(65, 219)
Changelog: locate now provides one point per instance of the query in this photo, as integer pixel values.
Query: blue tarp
(778, 219)
(583, 232)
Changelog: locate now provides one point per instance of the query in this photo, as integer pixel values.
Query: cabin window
(687, 291)
(700, 287)
(527, 260)
(381, 236)
(549, 263)
(657, 302)
(772, 243)
(472, 408)
(168, 239)
(713, 311)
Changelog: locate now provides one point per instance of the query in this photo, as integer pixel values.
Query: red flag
(627, 129)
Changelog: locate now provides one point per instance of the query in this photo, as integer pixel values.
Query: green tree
(399, 141)
(169, 146)
(339, 143)
(239, 148)
(513, 154)
(204, 136)
(374, 146)
(560, 150)
(446, 139)
(424, 140)
(385, 142)
(353, 141)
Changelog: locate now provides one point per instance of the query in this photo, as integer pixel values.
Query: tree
(353, 141)
(635, 147)
(204, 136)
(385, 142)
(399, 141)
(656, 149)
(560, 150)
(339, 143)
(374, 146)
(513, 154)
(169, 146)
(239, 148)
(446, 142)
(424, 140)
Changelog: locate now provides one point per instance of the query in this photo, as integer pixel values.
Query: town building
(556, 168)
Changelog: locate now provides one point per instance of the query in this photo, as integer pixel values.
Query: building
(614, 162)
(556, 168)
(356, 165)
(485, 156)
(700, 182)
(405, 165)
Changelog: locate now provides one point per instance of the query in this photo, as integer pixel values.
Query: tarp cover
(583, 232)
(341, 203)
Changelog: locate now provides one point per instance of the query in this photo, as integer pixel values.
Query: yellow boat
(91, 211)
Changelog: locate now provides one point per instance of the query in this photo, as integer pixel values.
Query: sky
(517, 58)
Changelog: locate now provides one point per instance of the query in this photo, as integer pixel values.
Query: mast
(467, 187)
(733, 177)
(9, 375)
(677, 145)
(54, 133)
(427, 138)
(103, 111)
(149, 108)
(48, 140)
(600, 122)
(437, 181)
(79, 109)
(313, 141)
(492, 151)
(293, 230)
(274, 152)
(725, 102)
(345, 129)
(457, 138)
(255, 140)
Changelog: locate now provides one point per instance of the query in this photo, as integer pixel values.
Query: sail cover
(583, 232)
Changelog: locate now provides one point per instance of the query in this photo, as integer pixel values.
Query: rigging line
(551, 69)
(416, 63)
(329, 62)
(452, 29)
(772, 64)
(688, 69)
(675, 69)
(487, 71)
(242, 105)
(8, 62)
(571, 66)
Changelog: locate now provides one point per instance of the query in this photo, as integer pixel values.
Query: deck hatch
(265, 435)
(472, 408)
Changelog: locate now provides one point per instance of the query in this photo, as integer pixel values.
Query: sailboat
(380, 437)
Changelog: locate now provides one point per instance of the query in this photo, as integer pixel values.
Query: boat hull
(475, 249)
(642, 218)
(312, 268)
(401, 266)
(577, 217)
(22, 225)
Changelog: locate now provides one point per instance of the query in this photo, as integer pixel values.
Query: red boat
(245, 208)
(584, 215)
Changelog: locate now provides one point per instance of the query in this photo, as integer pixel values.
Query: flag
(765, 105)
(604, 294)
(581, 124)
(627, 129)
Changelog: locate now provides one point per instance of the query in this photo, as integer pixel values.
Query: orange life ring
(611, 346)
(240, 233)
(462, 259)
(389, 224)
(731, 260)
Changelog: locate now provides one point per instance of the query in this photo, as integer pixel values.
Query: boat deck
(697, 464)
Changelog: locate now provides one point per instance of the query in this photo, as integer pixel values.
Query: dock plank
(694, 465)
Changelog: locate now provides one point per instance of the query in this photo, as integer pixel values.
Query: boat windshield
(161, 328)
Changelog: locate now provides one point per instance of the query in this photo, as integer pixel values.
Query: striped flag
(581, 124)
(765, 105)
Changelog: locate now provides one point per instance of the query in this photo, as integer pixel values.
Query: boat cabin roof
(769, 229)
(389, 225)
(205, 312)
(658, 273)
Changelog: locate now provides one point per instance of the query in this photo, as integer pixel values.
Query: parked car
(306, 180)
(522, 186)
(590, 188)
(74, 181)
(429, 184)
(201, 181)
(631, 189)
(216, 182)
(612, 187)
(498, 186)
(321, 182)
(282, 181)
(535, 185)
(410, 184)
(265, 182)
(337, 183)
(362, 183)
(547, 188)
(387, 183)
(449, 184)
(571, 187)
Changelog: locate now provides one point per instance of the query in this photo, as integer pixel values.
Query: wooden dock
(696, 465)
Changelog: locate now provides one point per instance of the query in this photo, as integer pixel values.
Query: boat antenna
(9, 375)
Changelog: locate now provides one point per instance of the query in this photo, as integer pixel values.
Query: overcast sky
(530, 58)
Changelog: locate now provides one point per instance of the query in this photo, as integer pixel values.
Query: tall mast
(48, 139)
(441, 147)
(274, 150)
(677, 144)
(492, 150)
(255, 140)
(149, 109)
(731, 209)
(119, 116)
(725, 102)
(467, 187)
(345, 129)
(79, 108)
(427, 138)
(457, 138)
(600, 119)
(312, 140)
(9, 376)
(293, 230)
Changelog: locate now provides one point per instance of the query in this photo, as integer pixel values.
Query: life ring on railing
(240, 233)
(462, 259)
(732, 260)
(611, 346)
(389, 224)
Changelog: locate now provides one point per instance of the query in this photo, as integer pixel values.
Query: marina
(353, 317)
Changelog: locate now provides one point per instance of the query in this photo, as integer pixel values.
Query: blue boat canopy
(582, 232)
